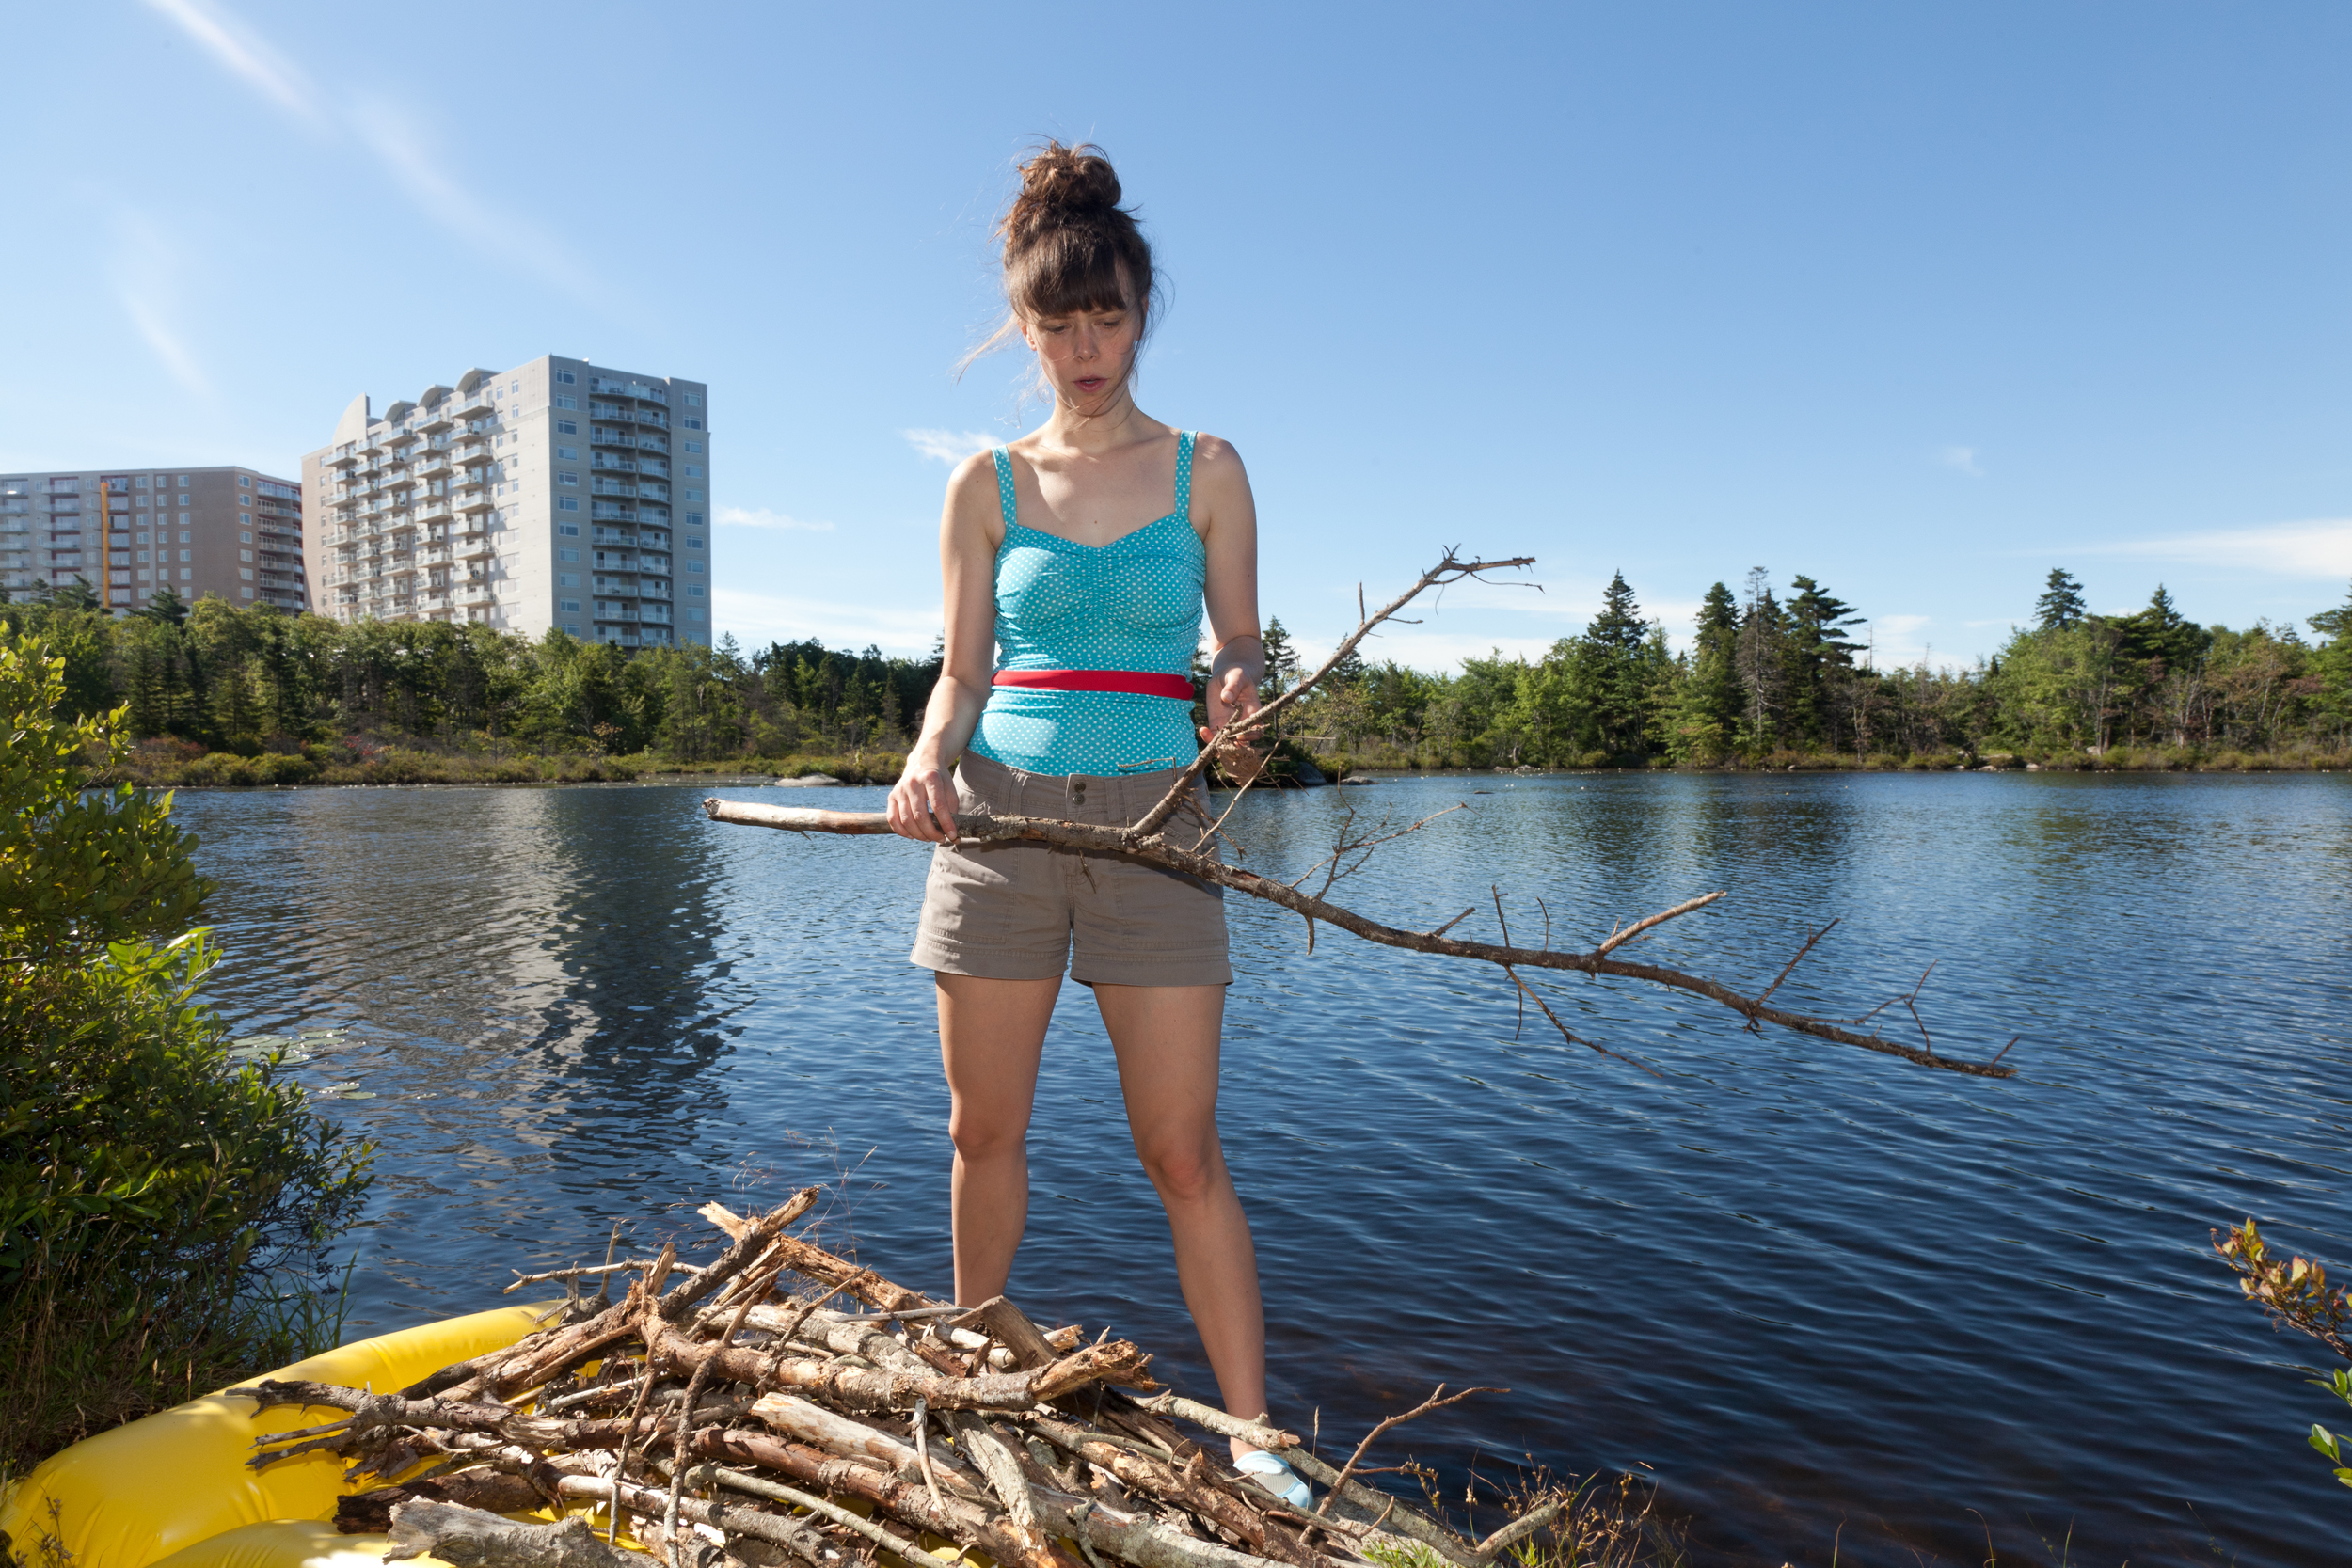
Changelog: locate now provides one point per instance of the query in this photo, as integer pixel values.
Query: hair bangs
(1070, 272)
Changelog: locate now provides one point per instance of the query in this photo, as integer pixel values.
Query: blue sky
(1920, 300)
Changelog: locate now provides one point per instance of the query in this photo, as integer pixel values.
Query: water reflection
(1815, 1289)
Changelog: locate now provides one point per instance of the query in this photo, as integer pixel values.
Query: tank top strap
(1005, 502)
(1183, 474)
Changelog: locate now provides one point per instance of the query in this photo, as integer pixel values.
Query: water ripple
(1812, 1289)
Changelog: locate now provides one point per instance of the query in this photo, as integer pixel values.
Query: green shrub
(154, 1203)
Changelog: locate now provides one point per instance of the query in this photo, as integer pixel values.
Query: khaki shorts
(1014, 911)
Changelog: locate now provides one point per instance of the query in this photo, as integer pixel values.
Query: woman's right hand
(923, 803)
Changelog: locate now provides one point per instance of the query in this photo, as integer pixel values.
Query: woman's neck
(1118, 423)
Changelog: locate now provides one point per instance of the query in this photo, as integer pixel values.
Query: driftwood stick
(981, 827)
(469, 1538)
(1519, 1530)
(860, 1388)
(584, 1272)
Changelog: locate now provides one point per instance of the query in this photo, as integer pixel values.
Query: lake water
(1831, 1301)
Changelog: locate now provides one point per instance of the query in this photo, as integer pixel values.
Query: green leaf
(2324, 1440)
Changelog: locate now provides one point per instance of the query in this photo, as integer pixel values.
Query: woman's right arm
(923, 802)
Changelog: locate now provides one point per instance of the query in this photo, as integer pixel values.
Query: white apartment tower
(552, 495)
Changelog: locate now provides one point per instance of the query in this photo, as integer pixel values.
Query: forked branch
(1148, 841)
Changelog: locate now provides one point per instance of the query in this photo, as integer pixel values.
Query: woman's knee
(980, 1138)
(1186, 1170)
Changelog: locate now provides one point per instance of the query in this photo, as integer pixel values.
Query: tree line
(1770, 676)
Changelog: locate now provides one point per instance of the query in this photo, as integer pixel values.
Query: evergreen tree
(2060, 607)
(1707, 708)
(1609, 679)
(1819, 653)
(1763, 663)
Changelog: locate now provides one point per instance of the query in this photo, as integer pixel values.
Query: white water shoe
(1257, 1461)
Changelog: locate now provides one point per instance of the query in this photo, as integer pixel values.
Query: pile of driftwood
(713, 1418)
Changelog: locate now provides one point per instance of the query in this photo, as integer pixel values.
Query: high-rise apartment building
(233, 532)
(555, 494)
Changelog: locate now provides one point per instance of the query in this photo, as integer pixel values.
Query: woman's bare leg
(990, 1033)
(1167, 1039)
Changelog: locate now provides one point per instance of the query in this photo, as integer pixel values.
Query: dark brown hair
(1069, 246)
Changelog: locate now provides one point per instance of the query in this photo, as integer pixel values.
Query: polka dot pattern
(1133, 604)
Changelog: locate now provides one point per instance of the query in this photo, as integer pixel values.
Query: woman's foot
(1272, 1474)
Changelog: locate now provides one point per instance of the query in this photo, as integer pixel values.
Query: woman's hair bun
(1061, 185)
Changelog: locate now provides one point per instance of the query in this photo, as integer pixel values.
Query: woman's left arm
(1227, 516)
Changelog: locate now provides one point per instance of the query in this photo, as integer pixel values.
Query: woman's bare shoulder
(971, 504)
(1213, 452)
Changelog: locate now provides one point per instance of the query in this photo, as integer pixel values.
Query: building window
(694, 542)
(567, 378)
(183, 519)
(567, 479)
(567, 555)
(184, 572)
(569, 455)
(567, 580)
(563, 400)
(693, 446)
(567, 427)
(245, 593)
(693, 590)
(691, 495)
(569, 607)
(246, 571)
(569, 530)
(246, 518)
(690, 422)
(185, 556)
(694, 519)
(514, 387)
(693, 614)
(244, 482)
(183, 482)
(691, 472)
(693, 400)
(245, 555)
(567, 503)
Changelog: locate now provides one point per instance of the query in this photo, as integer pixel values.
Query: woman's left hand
(1233, 693)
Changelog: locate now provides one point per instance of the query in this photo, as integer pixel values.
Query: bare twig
(1438, 1399)
(1620, 938)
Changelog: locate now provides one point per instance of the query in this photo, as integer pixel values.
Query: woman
(1085, 551)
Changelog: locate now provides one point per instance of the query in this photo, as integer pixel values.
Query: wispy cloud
(2319, 549)
(402, 144)
(245, 54)
(760, 517)
(400, 141)
(951, 447)
(143, 267)
(1897, 640)
(1962, 458)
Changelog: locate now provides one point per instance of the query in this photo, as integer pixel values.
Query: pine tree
(1707, 711)
(1609, 678)
(1819, 653)
(2060, 607)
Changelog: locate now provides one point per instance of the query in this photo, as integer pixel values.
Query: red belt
(1136, 683)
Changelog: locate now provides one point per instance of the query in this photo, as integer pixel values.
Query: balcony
(436, 419)
(653, 490)
(658, 466)
(427, 511)
(475, 500)
(622, 464)
(613, 487)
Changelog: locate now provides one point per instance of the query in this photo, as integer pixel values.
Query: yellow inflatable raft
(174, 1491)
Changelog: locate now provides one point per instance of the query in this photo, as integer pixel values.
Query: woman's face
(1086, 355)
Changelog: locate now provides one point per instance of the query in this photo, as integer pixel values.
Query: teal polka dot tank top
(1133, 604)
